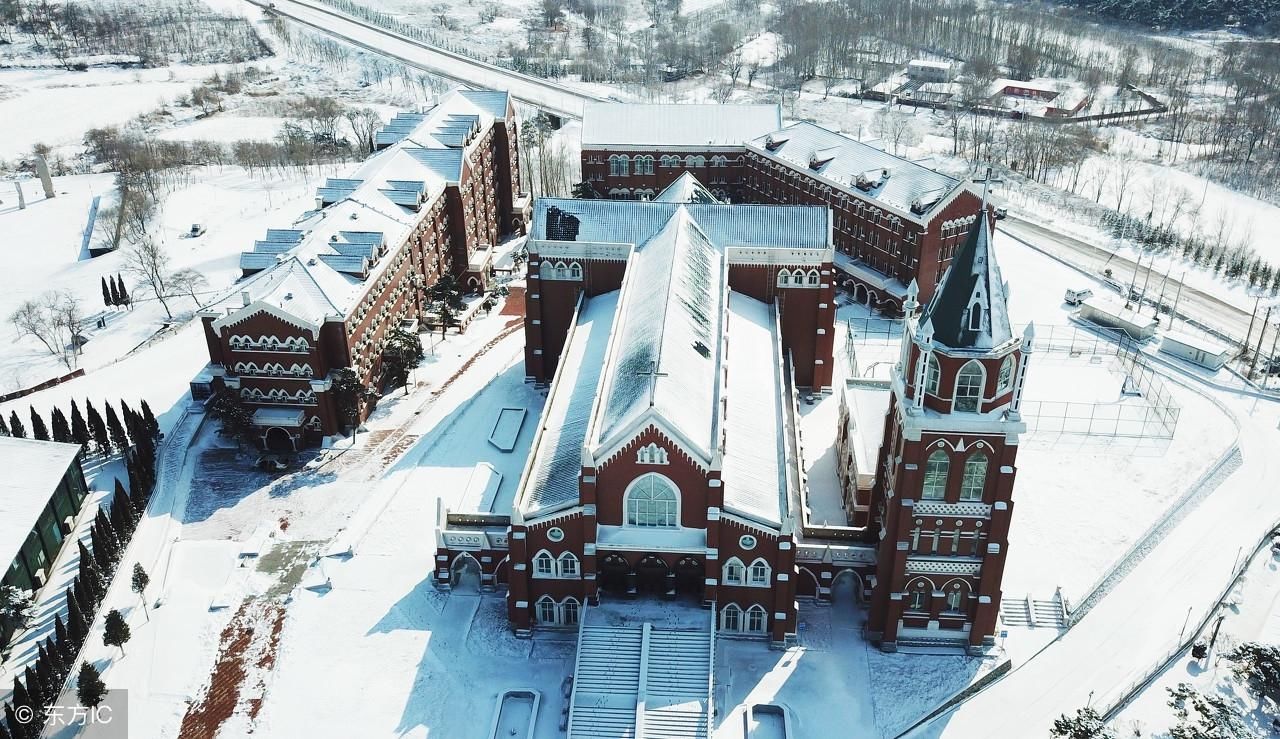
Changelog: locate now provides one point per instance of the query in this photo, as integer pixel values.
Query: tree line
(152, 32)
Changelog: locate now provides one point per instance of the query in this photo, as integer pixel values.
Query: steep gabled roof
(669, 324)
(970, 309)
(686, 189)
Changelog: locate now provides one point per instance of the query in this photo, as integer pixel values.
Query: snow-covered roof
(686, 189)
(754, 464)
(676, 124)
(1192, 341)
(636, 221)
(970, 309)
(669, 328)
(859, 169)
(32, 471)
(290, 417)
(553, 473)
(328, 259)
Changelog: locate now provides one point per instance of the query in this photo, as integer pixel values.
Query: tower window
(1004, 380)
(975, 477)
(969, 388)
(932, 375)
(975, 317)
(935, 475)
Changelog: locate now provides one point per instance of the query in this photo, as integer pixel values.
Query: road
(546, 95)
(1207, 310)
(1134, 627)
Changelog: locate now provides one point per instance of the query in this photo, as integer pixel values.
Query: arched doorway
(613, 574)
(277, 439)
(859, 293)
(846, 600)
(690, 577)
(872, 299)
(651, 576)
(807, 583)
(464, 574)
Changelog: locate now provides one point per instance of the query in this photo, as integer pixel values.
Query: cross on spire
(987, 181)
(653, 374)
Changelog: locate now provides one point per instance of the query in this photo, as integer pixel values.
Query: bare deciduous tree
(148, 260)
(188, 282)
(54, 320)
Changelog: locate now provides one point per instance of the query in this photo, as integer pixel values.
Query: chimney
(42, 169)
(244, 297)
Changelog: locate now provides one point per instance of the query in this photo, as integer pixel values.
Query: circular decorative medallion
(747, 542)
(555, 533)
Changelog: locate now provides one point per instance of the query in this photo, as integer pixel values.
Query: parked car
(197, 229)
(1076, 297)
(1001, 212)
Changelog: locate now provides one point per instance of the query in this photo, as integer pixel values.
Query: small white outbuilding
(1195, 349)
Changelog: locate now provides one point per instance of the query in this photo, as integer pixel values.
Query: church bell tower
(944, 484)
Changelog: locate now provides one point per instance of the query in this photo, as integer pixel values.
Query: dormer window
(975, 317)
(651, 454)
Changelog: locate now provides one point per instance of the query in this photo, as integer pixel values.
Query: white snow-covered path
(1134, 628)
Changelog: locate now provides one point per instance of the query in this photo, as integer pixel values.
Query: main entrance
(651, 576)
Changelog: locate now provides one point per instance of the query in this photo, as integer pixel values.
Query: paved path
(1135, 626)
(544, 94)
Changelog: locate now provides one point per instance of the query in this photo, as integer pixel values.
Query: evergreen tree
(15, 426)
(119, 439)
(34, 690)
(61, 429)
(87, 599)
(91, 573)
(139, 585)
(584, 191)
(17, 729)
(153, 426)
(53, 655)
(79, 429)
(125, 300)
(45, 671)
(121, 519)
(115, 294)
(99, 429)
(115, 630)
(106, 294)
(76, 627)
(38, 429)
(126, 501)
(21, 697)
(63, 639)
(90, 689)
(102, 545)
(4, 427)
(4, 733)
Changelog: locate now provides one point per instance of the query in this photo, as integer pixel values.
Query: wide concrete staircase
(636, 681)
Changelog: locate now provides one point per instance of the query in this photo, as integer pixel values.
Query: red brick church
(677, 339)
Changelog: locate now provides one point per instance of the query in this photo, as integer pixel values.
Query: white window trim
(724, 572)
(768, 573)
(982, 383)
(626, 502)
(554, 572)
(946, 472)
(1005, 383)
(560, 566)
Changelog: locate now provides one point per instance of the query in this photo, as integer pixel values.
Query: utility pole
(1160, 302)
(1252, 316)
(1254, 362)
(1173, 314)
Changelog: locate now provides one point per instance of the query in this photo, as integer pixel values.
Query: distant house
(1025, 89)
(931, 71)
(41, 492)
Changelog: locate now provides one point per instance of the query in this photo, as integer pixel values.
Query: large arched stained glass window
(653, 501)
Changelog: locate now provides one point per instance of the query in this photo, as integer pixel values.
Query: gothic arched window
(653, 501)
(731, 618)
(932, 375)
(1004, 381)
(757, 619)
(975, 477)
(935, 476)
(619, 165)
(969, 387)
(733, 572)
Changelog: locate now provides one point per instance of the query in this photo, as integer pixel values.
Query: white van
(1076, 297)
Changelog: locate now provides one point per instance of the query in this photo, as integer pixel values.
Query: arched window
(544, 565)
(695, 161)
(797, 277)
(975, 477)
(652, 501)
(644, 165)
(969, 387)
(569, 612)
(1004, 380)
(956, 592)
(932, 375)
(814, 278)
(784, 278)
(651, 454)
(575, 271)
(757, 619)
(670, 161)
(546, 610)
(731, 618)
(719, 161)
(918, 595)
(562, 270)
(568, 565)
(759, 575)
(975, 317)
(734, 572)
(619, 165)
(935, 475)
